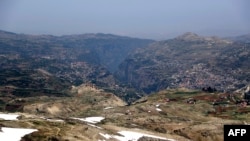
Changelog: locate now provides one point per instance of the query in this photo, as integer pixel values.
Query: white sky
(157, 19)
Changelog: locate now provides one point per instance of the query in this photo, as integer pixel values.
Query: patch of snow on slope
(158, 109)
(9, 116)
(106, 136)
(131, 136)
(106, 108)
(92, 120)
(134, 136)
(95, 126)
(14, 134)
(55, 120)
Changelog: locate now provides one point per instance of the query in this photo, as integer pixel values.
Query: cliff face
(188, 61)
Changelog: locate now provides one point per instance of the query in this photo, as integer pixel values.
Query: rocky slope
(189, 61)
(55, 63)
(64, 87)
(169, 115)
(102, 49)
(27, 61)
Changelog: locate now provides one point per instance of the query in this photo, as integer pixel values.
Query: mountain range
(128, 67)
(106, 87)
(67, 60)
(189, 61)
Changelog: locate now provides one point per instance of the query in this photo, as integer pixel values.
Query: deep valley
(104, 87)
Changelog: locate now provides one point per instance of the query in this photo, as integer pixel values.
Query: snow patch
(95, 126)
(106, 136)
(131, 136)
(134, 136)
(158, 109)
(92, 120)
(52, 120)
(157, 105)
(43, 118)
(9, 116)
(14, 134)
(106, 108)
(55, 120)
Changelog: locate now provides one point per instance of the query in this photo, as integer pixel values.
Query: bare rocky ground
(178, 114)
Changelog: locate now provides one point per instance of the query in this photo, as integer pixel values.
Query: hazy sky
(157, 19)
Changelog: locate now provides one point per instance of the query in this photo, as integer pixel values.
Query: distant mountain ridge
(76, 59)
(145, 66)
(189, 61)
(97, 44)
(243, 38)
(108, 49)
